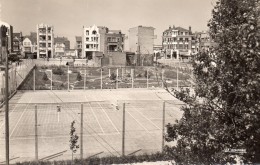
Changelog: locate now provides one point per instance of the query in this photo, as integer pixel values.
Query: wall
(117, 58)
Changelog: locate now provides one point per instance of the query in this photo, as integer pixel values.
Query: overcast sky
(69, 16)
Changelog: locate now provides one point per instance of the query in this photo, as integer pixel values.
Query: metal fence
(17, 74)
(125, 127)
(71, 78)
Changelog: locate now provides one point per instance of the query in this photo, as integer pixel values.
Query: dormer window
(94, 32)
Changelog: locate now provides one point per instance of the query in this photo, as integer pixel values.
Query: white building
(92, 38)
(45, 41)
(59, 49)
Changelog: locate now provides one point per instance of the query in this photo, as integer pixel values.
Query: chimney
(170, 27)
(190, 29)
(173, 26)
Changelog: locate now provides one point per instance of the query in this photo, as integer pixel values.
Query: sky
(69, 16)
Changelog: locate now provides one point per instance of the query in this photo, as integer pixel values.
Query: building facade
(114, 41)
(204, 41)
(6, 40)
(141, 41)
(45, 41)
(178, 42)
(78, 46)
(63, 40)
(59, 49)
(98, 42)
(17, 43)
(29, 49)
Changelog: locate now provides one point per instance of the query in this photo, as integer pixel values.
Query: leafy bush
(79, 77)
(45, 77)
(58, 71)
(113, 76)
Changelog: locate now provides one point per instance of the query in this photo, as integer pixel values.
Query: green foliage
(224, 113)
(45, 77)
(73, 138)
(58, 71)
(79, 77)
(113, 76)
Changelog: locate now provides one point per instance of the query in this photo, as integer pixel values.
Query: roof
(78, 38)
(60, 39)
(114, 31)
(176, 28)
(32, 37)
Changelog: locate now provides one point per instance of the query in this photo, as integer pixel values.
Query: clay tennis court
(102, 122)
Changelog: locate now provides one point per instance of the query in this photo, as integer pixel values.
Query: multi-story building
(30, 46)
(141, 41)
(114, 41)
(63, 40)
(45, 41)
(92, 40)
(59, 49)
(17, 43)
(6, 44)
(204, 41)
(79, 46)
(178, 42)
(99, 41)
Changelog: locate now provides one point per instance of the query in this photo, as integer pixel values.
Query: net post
(163, 125)
(123, 132)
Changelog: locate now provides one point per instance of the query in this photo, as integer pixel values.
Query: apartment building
(29, 49)
(114, 41)
(100, 42)
(17, 43)
(178, 42)
(204, 41)
(141, 41)
(6, 41)
(78, 46)
(63, 40)
(45, 41)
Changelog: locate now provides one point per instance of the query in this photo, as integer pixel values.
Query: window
(118, 39)
(87, 39)
(94, 32)
(108, 39)
(87, 32)
(49, 45)
(87, 46)
(186, 39)
(174, 39)
(49, 37)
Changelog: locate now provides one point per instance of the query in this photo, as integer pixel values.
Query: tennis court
(102, 122)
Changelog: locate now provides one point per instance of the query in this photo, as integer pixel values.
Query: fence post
(85, 79)
(178, 75)
(147, 79)
(123, 132)
(36, 135)
(81, 134)
(162, 78)
(116, 78)
(101, 78)
(34, 79)
(68, 79)
(163, 125)
(132, 75)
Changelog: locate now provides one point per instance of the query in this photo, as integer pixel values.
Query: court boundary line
(146, 118)
(108, 117)
(19, 119)
(96, 118)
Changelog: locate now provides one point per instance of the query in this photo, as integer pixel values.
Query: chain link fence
(105, 128)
